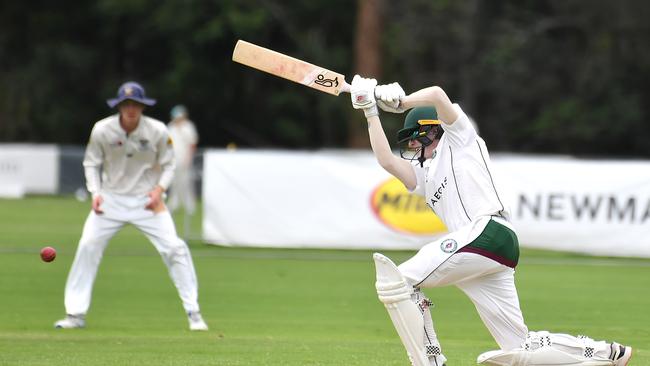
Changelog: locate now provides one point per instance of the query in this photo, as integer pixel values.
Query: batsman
(445, 160)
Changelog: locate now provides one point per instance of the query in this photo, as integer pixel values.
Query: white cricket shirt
(130, 164)
(458, 182)
(184, 136)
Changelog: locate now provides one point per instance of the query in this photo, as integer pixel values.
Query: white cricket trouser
(489, 284)
(99, 229)
(181, 192)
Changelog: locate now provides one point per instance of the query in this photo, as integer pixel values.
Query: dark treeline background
(548, 76)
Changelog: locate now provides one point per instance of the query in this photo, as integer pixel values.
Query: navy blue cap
(132, 91)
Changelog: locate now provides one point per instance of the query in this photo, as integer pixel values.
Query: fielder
(129, 163)
(453, 172)
(183, 133)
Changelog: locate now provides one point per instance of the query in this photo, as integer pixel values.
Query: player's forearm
(394, 165)
(93, 160)
(166, 177)
(432, 96)
(93, 180)
(379, 142)
(167, 162)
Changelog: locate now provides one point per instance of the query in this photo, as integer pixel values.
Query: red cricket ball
(48, 254)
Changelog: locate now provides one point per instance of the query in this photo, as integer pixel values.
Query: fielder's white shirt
(130, 164)
(458, 182)
(184, 136)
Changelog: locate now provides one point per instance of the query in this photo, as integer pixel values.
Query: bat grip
(345, 87)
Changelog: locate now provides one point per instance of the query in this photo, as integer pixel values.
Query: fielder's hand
(97, 202)
(362, 93)
(389, 97)
(156, 203)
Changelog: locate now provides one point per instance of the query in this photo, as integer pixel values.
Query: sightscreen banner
(344, 199)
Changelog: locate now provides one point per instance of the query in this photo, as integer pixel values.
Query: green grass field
(274, 307)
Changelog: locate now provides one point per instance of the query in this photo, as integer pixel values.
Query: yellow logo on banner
(404, 211)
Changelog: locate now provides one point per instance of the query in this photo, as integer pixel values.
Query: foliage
(538, 76)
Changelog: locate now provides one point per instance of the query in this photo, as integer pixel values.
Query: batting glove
(362, 93)
(389, 97)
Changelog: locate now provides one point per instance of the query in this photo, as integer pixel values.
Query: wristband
(371, 112)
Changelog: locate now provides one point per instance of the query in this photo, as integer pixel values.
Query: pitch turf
(273, 307)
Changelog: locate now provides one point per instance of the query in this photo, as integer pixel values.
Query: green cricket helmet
(421, 124)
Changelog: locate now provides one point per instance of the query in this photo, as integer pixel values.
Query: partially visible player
(183, 133)
(453, 172)
(129, 163)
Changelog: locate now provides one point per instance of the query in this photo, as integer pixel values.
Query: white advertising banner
(589, 206)
(323, 199)
(28, 168)
(343, 199)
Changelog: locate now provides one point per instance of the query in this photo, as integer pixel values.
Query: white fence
(28, 168)
(343, 199)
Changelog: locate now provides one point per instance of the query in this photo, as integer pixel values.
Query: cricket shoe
(620, 354)
(196, 321)
(71, 322)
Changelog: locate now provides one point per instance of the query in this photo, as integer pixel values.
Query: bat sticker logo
(328, 83)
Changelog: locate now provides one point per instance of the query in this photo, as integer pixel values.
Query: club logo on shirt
(448, 245)
(402, 211)
(144, 145)
(117, 143)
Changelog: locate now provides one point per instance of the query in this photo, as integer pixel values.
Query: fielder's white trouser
(181, 192)
(99, 229)
(489, 284)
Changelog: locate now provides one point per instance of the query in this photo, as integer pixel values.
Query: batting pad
(395, 293)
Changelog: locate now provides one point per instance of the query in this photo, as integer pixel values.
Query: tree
(537, 76)
(367, 58)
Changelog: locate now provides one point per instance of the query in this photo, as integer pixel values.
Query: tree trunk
(367, 63)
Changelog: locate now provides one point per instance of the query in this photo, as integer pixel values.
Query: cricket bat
(289, 68)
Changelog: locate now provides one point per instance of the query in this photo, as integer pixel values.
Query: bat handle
(345, 87)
